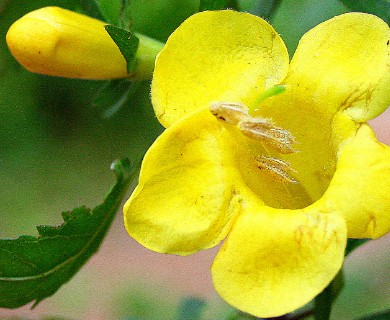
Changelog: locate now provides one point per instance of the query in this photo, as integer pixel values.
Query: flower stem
(148, 49)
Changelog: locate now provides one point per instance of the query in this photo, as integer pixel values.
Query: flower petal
(344, 63)
(185, 198)
(192, 182)
(315, 160)
(216, 56)
(59, 42)
(360, 188)
(275, 261)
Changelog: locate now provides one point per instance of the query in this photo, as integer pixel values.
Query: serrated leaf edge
(124, 173)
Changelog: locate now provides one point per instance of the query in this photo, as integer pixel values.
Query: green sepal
(127, 43)
(380, 8)
(114, 95)
(34, 268)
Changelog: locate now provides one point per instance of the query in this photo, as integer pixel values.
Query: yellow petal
(59, 42)
(344, 63)
(199, 167)
(315, 160)
(360, 188)
(275, 261)
(185, 198)
(216, 56)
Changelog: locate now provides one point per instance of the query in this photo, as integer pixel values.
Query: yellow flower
(59, 42)
(205, 179)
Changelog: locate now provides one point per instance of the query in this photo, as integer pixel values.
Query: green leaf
(127, 43)
(34, 268)
(115, 94)
(384, 315)
(92, 8)
(216, 4)
(125, 19)
(380, 8)
(191, 309)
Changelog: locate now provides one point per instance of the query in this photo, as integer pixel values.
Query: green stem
(148, 49)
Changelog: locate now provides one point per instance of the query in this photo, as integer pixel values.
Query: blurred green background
(56, 147)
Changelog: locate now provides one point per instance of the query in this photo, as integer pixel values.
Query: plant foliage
(34, 268)
(127, 43)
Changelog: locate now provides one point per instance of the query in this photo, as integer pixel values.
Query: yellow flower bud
(59, 42)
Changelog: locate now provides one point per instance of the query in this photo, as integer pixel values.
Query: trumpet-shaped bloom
(59, 42)
(220, 170)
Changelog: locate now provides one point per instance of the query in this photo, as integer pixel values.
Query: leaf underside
(34, 268)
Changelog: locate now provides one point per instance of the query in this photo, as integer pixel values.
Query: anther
(277, 168)
(230, 112)
(265, 131)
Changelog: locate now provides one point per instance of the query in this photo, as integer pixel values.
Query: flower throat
(263, 130)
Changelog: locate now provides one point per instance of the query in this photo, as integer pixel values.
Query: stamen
(284, 140)
(265, 131)
(231, 112)
(277, 168)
